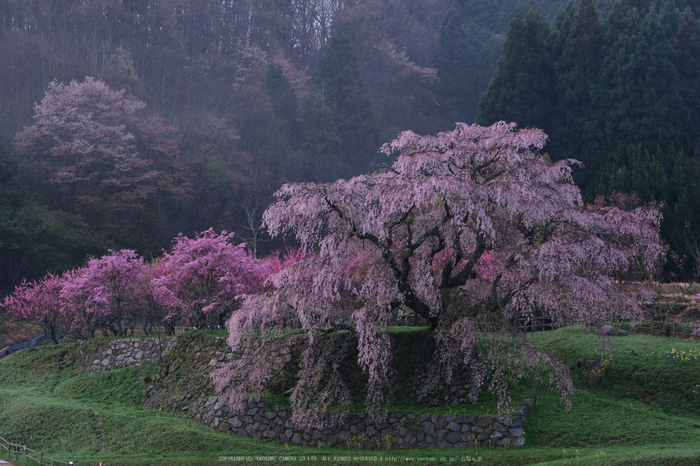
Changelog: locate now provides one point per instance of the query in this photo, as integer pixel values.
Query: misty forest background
(250, 94)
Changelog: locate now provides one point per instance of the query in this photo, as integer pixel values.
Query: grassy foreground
(645, 411)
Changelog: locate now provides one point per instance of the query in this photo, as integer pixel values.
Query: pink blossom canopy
(471, 229)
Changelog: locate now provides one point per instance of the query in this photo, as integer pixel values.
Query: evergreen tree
(466, 55)
(687, 47)
(694, 5)
(521, 89)
(604, 6)
(641, 5)
(575, 128)
(641, 101)
(32, 240)
(321, 155)
(669, 17)
(683, 202)
(665, 175)
(338, 77)
(283, 98)
(560, 30)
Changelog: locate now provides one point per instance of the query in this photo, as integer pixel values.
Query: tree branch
(462, 277)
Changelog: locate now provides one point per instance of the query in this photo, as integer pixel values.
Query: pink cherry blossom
(470, 229)
(103, 293)
(39, 302)
(203, 278)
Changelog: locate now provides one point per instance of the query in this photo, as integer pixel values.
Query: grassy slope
(643, 412)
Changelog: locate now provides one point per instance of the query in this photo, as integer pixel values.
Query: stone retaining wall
(183, 386)
(104, 354)
(273, 422)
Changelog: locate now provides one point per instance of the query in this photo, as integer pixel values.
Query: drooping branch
(494, 235)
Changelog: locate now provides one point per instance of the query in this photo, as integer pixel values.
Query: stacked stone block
(98, 354)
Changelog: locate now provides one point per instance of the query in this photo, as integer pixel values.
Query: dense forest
(126, 122)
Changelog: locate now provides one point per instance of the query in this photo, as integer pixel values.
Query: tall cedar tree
(687, 46)
(283, 98)
(664, 174)
(338, 77)
(321, 146)
(641, 100)
(465, 56)
(313, 152)
(560, 30)
(626, 92)
(577, 69)
(643, 108)
(521, 89)
(32, 240)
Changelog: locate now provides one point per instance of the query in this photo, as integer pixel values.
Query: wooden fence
(537, 324)
(23, 451)
(543, 323)
(682, 329)
(663, 329)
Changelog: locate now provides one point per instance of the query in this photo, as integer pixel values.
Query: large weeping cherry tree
(472, 230)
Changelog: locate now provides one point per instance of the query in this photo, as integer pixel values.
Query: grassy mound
(87, 417)
(644, 398)
(657, 371)
(644, 411)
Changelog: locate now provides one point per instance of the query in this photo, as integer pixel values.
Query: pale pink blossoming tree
(79, 135)
(471, 229)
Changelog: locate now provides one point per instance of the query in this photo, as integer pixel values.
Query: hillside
(645, 411)
(227, 106)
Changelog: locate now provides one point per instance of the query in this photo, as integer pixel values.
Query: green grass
(215, 333)
(644, 412)
(405, 329)
(637, 370)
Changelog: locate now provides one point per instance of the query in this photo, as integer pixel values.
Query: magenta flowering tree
(39, 302)
(277, 260)
(154, 312)
(471, 229)
(204, 277)
(104, 292)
